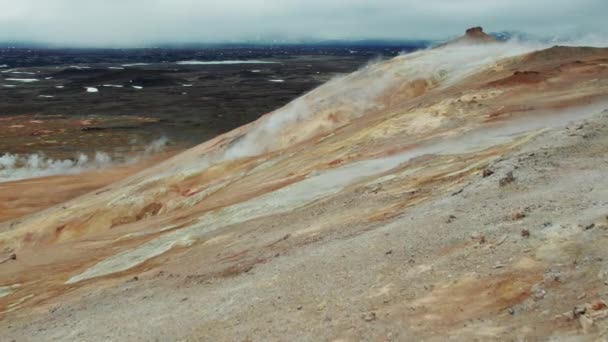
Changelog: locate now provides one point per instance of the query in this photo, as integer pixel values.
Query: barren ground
(469, 201)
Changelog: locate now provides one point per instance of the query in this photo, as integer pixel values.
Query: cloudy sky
(144, 22)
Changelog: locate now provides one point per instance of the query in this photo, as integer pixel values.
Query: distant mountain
(409, 43)
(522, 36)
(373, 42)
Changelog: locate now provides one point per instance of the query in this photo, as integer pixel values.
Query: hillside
(457, 191)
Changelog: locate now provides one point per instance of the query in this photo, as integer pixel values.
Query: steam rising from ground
(18, 166)
(350, 96)
(365, 90)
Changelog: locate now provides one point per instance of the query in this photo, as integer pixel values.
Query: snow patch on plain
(24, 80)
(224, 62)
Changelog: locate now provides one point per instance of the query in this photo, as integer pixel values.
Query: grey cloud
(143, 22)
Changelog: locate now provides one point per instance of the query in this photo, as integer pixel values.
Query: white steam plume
(18, 166)
(362, 90)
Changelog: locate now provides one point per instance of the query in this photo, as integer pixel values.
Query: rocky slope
(445, 192)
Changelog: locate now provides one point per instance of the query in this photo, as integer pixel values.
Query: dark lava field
(57, 101)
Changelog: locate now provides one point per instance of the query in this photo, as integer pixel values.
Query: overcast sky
(144, 22)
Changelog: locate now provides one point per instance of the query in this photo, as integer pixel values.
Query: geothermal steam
(16, 167)
(351, 96)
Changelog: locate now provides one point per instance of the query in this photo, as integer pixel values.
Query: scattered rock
(149, 210)
(579, 310)
(507, 179)
(11, 257)
(526, 72)
(538, 292)
(590, 226)
(518, 215)
(458, 192)
(588, 314)
(487, 172)
(552, 275)
(299, 307)
(389, 252)
(450, 219)
(376, 189)
(369, 316)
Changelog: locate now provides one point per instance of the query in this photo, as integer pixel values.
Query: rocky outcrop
(475, 31)
(473, 35)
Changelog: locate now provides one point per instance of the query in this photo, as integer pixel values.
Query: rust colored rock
(475, 31)
(518, 215)
(598, 306)
(151, 209)
(507, 179)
